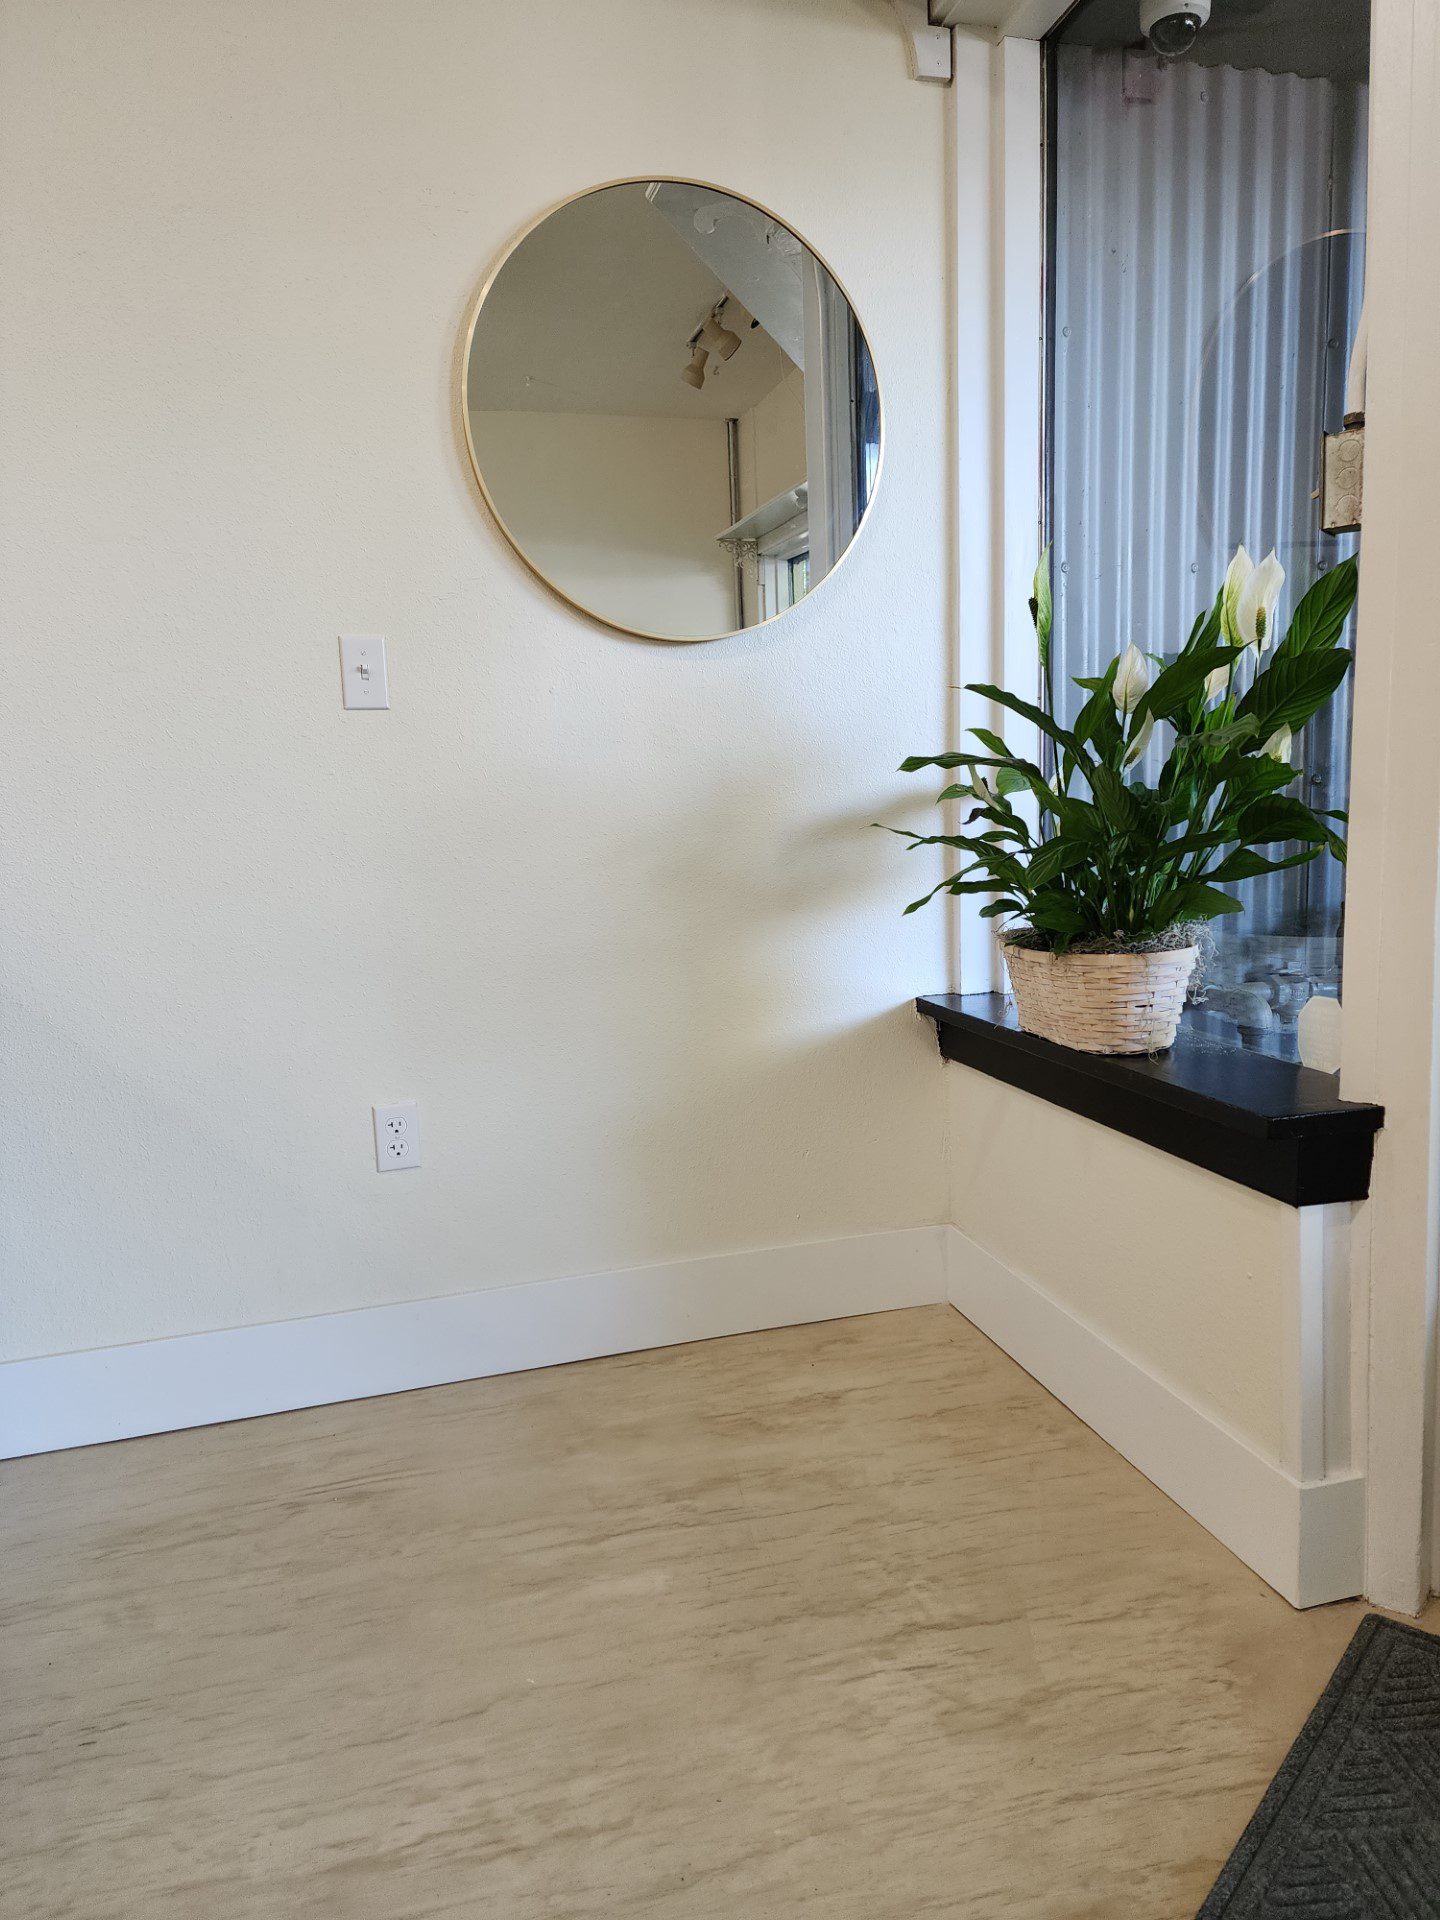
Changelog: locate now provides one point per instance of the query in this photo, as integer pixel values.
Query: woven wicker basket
(1101, 1002)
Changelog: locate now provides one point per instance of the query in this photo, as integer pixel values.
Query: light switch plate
(364, 683)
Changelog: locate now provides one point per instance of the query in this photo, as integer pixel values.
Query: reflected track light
(718, 338)
(694, 374)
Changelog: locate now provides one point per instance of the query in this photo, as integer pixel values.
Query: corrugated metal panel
(1208, 261)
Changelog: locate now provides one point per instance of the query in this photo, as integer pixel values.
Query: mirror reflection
(672, 409)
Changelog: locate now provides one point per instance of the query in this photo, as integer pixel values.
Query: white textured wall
(1188, 1274)
(610, 911)
(620, 510)
(771, 449)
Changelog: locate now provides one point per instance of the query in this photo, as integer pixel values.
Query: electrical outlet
(397, 1136)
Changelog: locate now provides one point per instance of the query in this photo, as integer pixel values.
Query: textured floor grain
(849, 1621)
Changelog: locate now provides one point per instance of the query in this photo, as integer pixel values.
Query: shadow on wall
(147, 1243)
(711, 1008)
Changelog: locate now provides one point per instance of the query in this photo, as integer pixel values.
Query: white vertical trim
(1335, 1225)
(1303, 1354)
(1316, 1373)
(1391, 1031)
(998, 217)
(972, 489)
(1017, 145)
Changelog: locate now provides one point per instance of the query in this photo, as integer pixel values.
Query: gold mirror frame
(498, 266)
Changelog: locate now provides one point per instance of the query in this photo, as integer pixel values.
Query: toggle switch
(364, 684)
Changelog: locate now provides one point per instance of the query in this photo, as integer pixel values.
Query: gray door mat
(1349, 1828)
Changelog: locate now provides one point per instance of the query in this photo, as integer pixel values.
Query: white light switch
(363, 680)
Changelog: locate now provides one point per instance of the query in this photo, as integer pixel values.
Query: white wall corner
(201, 1379)
(1305, 1536)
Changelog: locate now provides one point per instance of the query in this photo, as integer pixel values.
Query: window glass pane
(1204, 282)
(867, 422)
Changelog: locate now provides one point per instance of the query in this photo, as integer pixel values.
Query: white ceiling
(591, 314)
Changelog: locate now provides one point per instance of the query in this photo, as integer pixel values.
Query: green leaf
(997, 907)
(970, 843)
(1245, 864)
(1077, 818)
(1292, 687)
(1206, 630)
(1200, 902)
(1057, 916)
(1253, 772)
(1278, 817)
(1179, 683)
(1323, 611)
(1118, 804)
(1042, 609)
(918, 760)
(953, 885)
(1028, 711)
(1055, 857)
(1233, 733)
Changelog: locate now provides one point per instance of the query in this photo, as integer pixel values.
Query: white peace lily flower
(981, 788)
(1278, 746)
(1132, 677)
(1216, 683)
(1141, 740)
(1255, 613)
(1236, 575)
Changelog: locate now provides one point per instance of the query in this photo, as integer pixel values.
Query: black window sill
(1281, 1129)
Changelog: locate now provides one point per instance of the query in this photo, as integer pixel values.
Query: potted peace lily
(1103, 882)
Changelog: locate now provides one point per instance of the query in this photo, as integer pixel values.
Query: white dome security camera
(1171, 25)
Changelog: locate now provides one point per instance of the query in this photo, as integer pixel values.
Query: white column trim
(1391, 1030)
(997, 187)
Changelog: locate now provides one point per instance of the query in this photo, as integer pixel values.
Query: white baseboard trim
(1306, 1538)
(199, 1379)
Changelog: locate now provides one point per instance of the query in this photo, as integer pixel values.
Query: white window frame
(1392, 980)
(773, 555)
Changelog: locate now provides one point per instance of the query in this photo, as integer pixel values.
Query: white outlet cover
(397, 1136)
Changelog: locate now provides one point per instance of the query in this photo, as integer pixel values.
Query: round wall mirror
(671, 409)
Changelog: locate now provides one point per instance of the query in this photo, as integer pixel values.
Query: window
(867, 421)
(783, 567)
(1204, 274)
